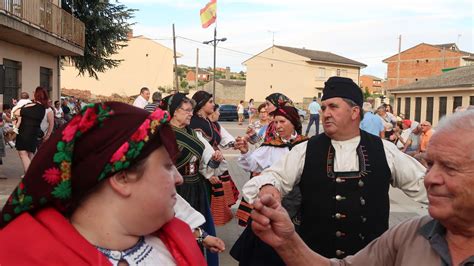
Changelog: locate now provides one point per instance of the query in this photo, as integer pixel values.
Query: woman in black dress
(30, 132)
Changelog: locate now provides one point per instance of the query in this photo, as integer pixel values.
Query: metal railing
(47, 16)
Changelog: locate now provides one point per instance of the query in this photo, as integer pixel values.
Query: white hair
(457, 122)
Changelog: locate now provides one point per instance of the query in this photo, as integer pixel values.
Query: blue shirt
(372, 124)
(314, 108)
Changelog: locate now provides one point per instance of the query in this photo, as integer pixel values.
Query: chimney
(227, 73)
(130, 34)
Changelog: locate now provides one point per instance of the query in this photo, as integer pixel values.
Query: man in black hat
(344, 177)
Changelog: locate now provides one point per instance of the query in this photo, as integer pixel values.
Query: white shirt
(140, 102)
(151, 250)
(44, 123)
(240, 109)
(407, 173)
(404, 136)
(59, 112)
(206, 171)
(261, 158)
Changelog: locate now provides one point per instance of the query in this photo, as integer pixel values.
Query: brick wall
(227, 94)
(420, 62)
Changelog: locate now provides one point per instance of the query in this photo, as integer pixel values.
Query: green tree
(106, 28)
(184, 84)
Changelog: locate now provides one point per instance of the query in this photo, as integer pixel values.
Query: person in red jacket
(101, 192)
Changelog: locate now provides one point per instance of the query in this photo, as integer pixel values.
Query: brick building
(423, 61)
(372, 83)
(202, 76)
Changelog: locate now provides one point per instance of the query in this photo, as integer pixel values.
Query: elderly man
(142, 100)
(445, 238)
(426, 133)
(156, 98)
(344, 176)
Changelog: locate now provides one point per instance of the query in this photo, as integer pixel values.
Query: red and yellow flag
(208, 14)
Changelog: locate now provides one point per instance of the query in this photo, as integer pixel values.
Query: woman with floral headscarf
(249, 249)
(100, 193)
(197, 161)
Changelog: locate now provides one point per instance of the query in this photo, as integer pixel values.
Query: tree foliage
(106, 28)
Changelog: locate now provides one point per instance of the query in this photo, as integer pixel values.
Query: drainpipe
(59, 77)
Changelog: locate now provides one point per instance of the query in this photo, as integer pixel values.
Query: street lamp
(214, 42)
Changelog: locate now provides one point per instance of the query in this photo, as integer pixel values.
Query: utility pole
(175, 61)
(197, 67)
(398, 63)
(214, 42)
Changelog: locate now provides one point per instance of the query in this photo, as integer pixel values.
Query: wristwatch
(202, 235)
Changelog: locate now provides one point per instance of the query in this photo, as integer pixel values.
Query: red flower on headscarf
(52, 176)
(119, 153)
(71, 129)
(88, 120)
(158, 114)
(141, 132)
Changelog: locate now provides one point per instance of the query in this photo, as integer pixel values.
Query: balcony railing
(47, 16)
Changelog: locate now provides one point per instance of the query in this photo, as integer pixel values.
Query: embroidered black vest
(208, 130)
(342, 212)
(191, 149)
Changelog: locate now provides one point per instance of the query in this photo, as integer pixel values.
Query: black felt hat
(344, 88)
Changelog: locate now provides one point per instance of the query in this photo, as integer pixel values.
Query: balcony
(41, 25)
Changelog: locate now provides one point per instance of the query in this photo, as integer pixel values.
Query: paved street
(401, 206)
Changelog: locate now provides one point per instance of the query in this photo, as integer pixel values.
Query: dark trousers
(313, 118)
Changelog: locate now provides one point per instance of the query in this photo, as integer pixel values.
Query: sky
(366, 30)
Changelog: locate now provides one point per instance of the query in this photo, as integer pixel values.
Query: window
(471, 100)
(322, 72)
(407, 107)
(426, 60)
(442, 106)
(338, 72)
(46, 77)
(271, 65)
(417, 108)
(429, 109)
(11, 84)
(399, 104)
(344, 73)
(457, 101)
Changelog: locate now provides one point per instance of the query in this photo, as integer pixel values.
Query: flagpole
(214, 78)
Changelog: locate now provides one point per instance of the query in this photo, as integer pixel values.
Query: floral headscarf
(279, 99)
(291, 114)
(102, 140)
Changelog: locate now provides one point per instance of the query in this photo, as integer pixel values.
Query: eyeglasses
(189, 111)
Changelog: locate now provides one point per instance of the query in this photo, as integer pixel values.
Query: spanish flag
(208, 14)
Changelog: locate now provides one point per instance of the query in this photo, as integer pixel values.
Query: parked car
(229, 112)
(302, 113)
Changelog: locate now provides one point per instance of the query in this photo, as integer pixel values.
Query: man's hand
(214, 244)
(270, 190)
(271, 223)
